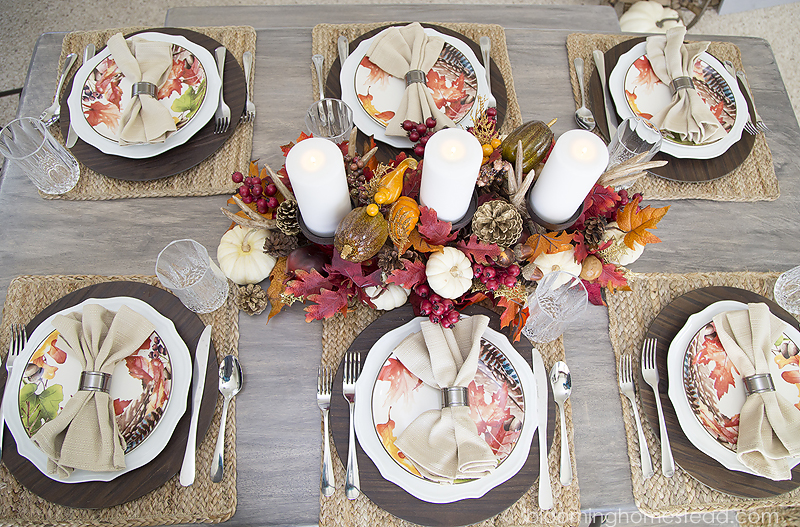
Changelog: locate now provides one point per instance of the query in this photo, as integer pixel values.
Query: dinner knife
(545, 491)
(198, 384)
(608, 106)
(344, 49)
(72, 136)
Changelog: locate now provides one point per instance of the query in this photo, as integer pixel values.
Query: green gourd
(360, 236)
(536, 137)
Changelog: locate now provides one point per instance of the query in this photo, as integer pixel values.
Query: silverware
(486, 48)
(198, 385)
(583, 115)
(608, 106)
(250, 109)
(18, 339)
(230, 382)
(222, 118)
(650, 374)
(324, 385)
(757, 122)
(53, 112)
(626, 387)
(545, 491)
(344, 49)
(561, 382)
(72, 136)
(318, 60)
(352, 368)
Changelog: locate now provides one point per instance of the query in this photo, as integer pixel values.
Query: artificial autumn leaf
(353, 271)
(412, 274)
(513, 317)
(327, 303)
(479, 251)
(599, 201)
(277, 280)
(595, 291)
(100, 112)
(306, 284)
(548, 243)
(422, 245)
(285, 148)
(413, 179)
(635, 223)
(612, 279)
(435, 231)
(722, 373)
(582, 250)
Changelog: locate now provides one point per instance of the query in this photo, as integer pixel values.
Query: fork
(18, 339)
(222, 118)
(53, 112)
(759, 125)
(650, 374)
(486, 48)
(250, 110)
(626, 387)
(324, 383)
(352, 368)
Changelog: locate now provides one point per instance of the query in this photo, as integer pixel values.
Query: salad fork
(250, 109)
(626, 387)
(650, 374)
(222, 118)
(324, 384)
(52, 113)
(352, 368)
(18, 339)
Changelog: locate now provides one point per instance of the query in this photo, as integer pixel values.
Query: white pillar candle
(449, 172)
(316, 170)
(578, 159)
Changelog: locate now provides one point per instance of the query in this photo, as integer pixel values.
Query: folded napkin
(398, 50)
(769, 425)
(145, 120)
(85, 434)
(444, 444)
(687, 115)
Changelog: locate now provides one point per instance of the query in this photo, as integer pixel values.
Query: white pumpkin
(449, 273)
(563, 261)
(389, 297)
(618, 253)
(642, 17)
(241, 255)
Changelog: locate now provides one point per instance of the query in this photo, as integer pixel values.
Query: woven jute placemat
(209, 178)
(630, 313)
(202, 502)
(753, 180)
(325, 36)
(338, 333)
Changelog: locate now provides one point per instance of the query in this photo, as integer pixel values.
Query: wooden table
(278, 428)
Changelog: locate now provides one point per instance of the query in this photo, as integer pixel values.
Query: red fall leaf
(479, 251)
(435, 231)
(412, 274)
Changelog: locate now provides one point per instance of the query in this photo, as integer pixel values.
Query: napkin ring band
(143, 88)
(681, 83)
(415, 76)
(95, 381)
(455, 396)
(759, 383)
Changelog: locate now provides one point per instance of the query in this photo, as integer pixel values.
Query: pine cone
(594, 228)
(286, 217)
(389, 259)
(252, 299)
(278, 244)
(494, 176)
(497, 222)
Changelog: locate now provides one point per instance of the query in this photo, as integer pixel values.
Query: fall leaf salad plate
(148, 390)
(500, 406)
(708, 392)
(100, 93)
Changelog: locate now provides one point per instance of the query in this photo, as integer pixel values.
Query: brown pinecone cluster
(286, 217)
(497, 222)
(389, 258)
(252, 299)
(494, 175)
(594, 229)
(278, 244)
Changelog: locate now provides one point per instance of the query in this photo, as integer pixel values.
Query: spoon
(561, 382)
(230, 382)
(583, 115)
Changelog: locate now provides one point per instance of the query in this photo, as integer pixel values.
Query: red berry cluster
(439, 310)
(495, 276)
(419, 133)
(254, 190)
(624, 199)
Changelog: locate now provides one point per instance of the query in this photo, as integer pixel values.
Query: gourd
(387, 298)
(449, 273)
(360, 235)
(644, 17)
(619, 253)
(241, 255)
(536, 137)
(402, 219)
(392, 183)
(563, 261)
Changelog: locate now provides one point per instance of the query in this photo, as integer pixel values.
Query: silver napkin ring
(681, 83)
(759, 383)
(143, 88)
(95, 381)
(455, 396)
(415, 76)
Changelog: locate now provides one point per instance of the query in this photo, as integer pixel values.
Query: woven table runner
(209, 178)
(202, 502)
(325, 36)
(630, 313)
(753, 180)
(338, 333)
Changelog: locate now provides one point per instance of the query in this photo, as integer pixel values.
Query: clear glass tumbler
(185, 268)
(27, 143)
(559, 299)
(787, 290)
(635, 135)
(330, 119)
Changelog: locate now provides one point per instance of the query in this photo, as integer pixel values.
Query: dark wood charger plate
(394, 499)
(677, 169)
(136, 483)
(387, 152)
(176, 160)
(699, 465)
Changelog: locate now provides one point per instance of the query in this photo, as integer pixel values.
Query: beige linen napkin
(85, 434)
(687, 114)
(145, 120)
(444, 444)
(398, 50)
(769, 425)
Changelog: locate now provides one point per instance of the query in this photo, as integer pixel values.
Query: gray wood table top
(278, 429)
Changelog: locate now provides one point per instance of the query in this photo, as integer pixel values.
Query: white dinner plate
(156, 439)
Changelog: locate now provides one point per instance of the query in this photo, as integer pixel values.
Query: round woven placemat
(753, 180)
(202, 502)
(338, 333)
